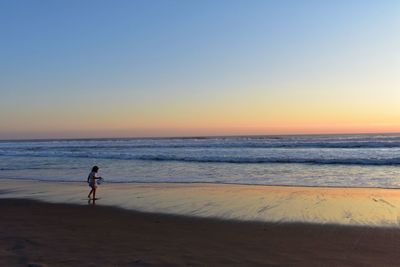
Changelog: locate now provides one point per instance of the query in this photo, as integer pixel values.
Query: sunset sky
(71, 69)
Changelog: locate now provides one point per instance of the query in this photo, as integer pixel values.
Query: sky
(82, 69)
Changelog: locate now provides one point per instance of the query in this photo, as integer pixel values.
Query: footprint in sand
(266, 208)
(387, 203)
(347, 214)
(320, 200)
(384, 202)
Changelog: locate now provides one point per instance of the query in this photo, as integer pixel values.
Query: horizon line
(193, 136)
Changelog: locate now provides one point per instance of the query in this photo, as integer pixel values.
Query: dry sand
(43, 234)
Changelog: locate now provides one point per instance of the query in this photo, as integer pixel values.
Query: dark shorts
(93, 185)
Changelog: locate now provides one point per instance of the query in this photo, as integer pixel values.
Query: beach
(43, 234)
(199, 133)
(53, 224)
(378, 207)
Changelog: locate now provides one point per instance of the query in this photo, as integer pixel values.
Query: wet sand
(346, 206)
(75, 235)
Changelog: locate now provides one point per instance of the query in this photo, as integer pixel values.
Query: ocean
(302, 160)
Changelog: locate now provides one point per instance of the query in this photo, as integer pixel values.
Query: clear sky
(97, 68)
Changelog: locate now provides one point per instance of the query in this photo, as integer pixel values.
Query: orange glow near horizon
(239, 117)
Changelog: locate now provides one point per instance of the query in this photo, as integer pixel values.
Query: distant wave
(223, 159)
(344, 150)
(223, 145)
(32, 168)
(350, 161)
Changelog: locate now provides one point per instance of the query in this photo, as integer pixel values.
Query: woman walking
(93, 176)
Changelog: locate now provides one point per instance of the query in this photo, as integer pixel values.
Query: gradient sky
(174, 68)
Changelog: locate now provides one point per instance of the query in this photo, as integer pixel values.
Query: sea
(367, 160)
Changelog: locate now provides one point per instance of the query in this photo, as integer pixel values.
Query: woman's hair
(95, 169)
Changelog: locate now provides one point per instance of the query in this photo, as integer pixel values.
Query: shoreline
(206, 183)
(45, 234)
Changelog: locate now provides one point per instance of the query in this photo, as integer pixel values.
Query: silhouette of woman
(93, 176)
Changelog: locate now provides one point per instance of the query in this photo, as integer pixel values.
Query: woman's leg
(94, 192)
(91, 191)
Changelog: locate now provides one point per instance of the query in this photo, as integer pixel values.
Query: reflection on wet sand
(350, 206)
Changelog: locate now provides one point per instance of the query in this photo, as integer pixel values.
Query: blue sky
(128, 68)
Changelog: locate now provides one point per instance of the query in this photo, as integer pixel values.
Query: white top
(92, 181)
